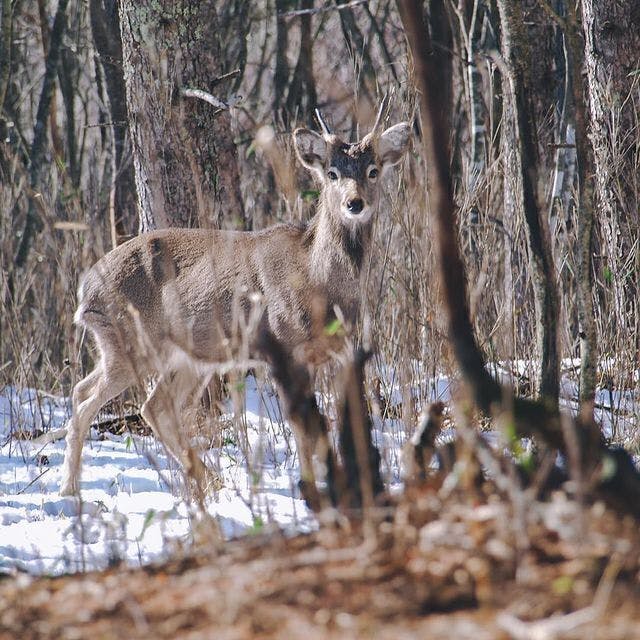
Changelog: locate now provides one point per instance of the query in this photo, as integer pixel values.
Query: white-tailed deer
(170, 303)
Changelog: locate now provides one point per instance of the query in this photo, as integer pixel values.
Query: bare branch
(331, 7)
(212, 100)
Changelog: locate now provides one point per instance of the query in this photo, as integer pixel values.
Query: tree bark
(521, 174)
(302, 99)
(612, 58)
(185, 158)
(105, 28)
(33, 223)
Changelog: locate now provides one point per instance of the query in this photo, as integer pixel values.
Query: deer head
(350, 173)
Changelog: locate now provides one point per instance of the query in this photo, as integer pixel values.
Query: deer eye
(333, 174)
(372, 173)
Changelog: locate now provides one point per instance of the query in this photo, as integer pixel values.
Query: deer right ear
(393, 143)
(311, 148)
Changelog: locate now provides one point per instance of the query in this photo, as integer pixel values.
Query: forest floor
(451, 558)
(455, 567)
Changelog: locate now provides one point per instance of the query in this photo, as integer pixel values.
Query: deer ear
(393, 143)
(311, 148)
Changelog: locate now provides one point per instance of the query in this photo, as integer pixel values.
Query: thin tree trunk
(281, 74)
(612, 59)
(586, 177)
(33, 223)
(6, 23)
(105, 28)
(452, 273)
(517, 90)
(302, 99)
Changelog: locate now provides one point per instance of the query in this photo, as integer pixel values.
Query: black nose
(355, 206)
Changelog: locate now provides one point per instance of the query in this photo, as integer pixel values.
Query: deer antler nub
(384, 105)
(326, 132)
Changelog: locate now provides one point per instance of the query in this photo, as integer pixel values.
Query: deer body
(176, 303)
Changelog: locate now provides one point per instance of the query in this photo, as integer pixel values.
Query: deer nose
(356, 205)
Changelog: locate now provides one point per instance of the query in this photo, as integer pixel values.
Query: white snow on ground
(132, 508)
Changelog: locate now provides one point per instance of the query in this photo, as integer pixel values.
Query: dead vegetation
(438, 563)
(462, 553)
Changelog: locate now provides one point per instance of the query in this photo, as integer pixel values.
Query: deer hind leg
(104, 383)
(163, 410)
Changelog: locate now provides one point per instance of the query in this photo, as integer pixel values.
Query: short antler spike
(323, 125)
(382, 113)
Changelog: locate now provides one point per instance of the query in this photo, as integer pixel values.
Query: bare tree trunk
(358, 49)
(33, 223)
(185, 158)
(440, 186)
(524, 176)
(105, 27)
(586, 177)
(612, 58)
(302, 99)
(6, 30)
(281, 74)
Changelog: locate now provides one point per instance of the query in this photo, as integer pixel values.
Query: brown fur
(178, 302)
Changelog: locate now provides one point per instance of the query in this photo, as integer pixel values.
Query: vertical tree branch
(6, 23)
(302, 91)
(281, 74)
(586, 177)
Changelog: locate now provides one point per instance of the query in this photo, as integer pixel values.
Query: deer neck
(337, 252)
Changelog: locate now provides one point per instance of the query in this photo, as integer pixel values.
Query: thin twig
(226, 76)
(33, 481)
(111, 123)
(329, 7)
(203, 95)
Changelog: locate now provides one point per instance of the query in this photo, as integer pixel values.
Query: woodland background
(81, 85)
(538, 102)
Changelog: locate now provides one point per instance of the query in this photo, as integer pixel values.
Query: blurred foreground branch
(610, 472)
(358, 481)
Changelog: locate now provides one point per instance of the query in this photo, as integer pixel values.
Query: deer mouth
(356, 209)
(361, 217)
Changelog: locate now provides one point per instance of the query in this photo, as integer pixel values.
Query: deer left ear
(393, 143)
